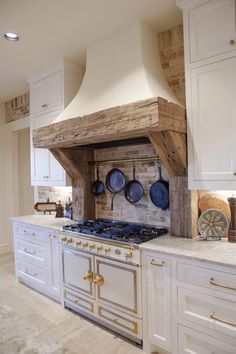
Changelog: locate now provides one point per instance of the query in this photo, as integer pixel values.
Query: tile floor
(30, 323)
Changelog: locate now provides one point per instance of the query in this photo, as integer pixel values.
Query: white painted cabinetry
(188, 306)
(37, 258)
(158, 300)
(50, 92)
(210, 68)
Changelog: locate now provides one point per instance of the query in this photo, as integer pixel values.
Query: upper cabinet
(46, 94)
(210, 70)
(50, 92)
(212, 29)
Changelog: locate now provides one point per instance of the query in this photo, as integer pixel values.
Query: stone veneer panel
(17, 107)
(146, 172)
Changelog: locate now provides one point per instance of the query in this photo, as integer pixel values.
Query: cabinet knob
(232, 42)
(44, 105)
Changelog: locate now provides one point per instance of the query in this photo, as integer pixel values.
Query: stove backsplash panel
(146, 172)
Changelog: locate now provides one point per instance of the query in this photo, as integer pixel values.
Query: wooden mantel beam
(139, 119)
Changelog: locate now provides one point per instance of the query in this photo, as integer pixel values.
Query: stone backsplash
(146, 172)
(53, 193)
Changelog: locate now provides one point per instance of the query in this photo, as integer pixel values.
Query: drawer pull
(212, 315)
(29, 273)
(52, 237)
(29, 252)
(158, 264)
(213, 282)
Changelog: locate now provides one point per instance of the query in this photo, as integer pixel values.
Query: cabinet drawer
(29, 233)
(207, 310)
(34, 276)
(190, 341)
(208, 278)
(31, 252)
(120, 320)
(77, 301)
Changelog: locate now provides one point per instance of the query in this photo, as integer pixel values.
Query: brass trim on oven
(135, 309)
(115, 320)
(78, 254)
(76, 302)
(93, 238)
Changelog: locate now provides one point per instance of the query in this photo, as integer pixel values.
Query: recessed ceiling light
(11, 36)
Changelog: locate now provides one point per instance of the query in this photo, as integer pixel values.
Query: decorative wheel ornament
(212, 224)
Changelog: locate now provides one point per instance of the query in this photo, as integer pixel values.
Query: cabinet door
(39, 169)
(53, 265)
(78, 271)
(190, 341)
(56, 173)
(120, 286)
(46, 94)
(158, 288)
(212, 29)
(212, 126)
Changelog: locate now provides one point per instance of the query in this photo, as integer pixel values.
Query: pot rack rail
(133, 160)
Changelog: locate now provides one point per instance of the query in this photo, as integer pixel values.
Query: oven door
(118, 285)
(77, 270)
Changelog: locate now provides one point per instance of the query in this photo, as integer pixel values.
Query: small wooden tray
(45, 207)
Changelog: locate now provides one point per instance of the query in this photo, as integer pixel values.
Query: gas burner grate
(117, 230)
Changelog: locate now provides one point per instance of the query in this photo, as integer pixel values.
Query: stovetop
(117, 230)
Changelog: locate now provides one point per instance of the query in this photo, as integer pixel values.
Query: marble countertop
(219, 252)
(47, 221)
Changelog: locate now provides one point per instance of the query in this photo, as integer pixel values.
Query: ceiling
(50, 29)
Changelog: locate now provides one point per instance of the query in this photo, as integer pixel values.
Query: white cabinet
(50, 93)
(210, 69)
(37, 258)
(157, 300)
(212, 29)
(195, 342)
(46, 94)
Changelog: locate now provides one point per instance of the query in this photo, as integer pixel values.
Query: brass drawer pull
(29, 252)
(212, 315)
(29, 273)
(232, 42)
(158, 264)
(213, 282)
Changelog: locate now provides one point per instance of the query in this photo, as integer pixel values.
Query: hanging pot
(159, 192)
(134, 189)
(98, 186)
(115, 182)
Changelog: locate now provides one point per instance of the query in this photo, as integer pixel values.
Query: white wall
(9, 201)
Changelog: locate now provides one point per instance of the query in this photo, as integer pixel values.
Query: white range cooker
(101, 267)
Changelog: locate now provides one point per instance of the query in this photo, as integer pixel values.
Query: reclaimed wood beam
(132, 120)
(172, 149)
(76, 163)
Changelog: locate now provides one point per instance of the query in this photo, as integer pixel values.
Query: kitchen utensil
(98, 186)
(115, 182)
(134, 189)
(212, 202)
(159, 192)
(59, 210)
(212, 224)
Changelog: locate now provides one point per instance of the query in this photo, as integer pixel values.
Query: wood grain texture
(183, 208)
(172, 149)
(76, 164)
(123, 122)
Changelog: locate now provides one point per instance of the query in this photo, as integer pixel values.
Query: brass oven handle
(88, 276)
(213, 282)
(29, 252)
(158, 264)
(212, 315)
(98, 280)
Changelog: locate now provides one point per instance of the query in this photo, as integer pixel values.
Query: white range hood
(122, 68)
